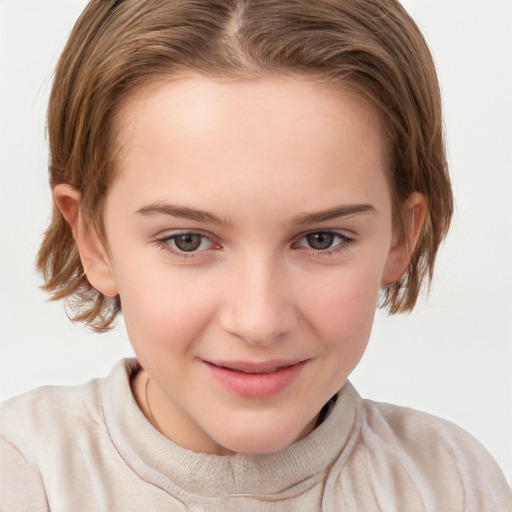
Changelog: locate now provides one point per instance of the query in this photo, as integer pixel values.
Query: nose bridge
(259, 306)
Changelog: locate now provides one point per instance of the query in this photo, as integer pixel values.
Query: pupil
(189, 242)
(320, 240)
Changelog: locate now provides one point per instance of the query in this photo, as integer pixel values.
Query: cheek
(342, 306)
(160, 306)
(340, 316)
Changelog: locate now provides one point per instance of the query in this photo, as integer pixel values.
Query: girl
(241, 180)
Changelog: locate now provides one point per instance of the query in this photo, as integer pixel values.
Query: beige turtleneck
(90, 448)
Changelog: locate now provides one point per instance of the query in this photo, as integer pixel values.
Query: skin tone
(248, 233)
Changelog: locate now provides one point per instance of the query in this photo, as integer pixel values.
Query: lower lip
(256, 385)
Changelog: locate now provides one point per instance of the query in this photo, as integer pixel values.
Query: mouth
(256, 379)
(255, 368)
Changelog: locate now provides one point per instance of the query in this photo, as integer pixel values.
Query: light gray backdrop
(452, 357)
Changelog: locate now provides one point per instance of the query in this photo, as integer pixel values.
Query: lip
(255, 379)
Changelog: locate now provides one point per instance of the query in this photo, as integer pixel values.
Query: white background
(451, 357)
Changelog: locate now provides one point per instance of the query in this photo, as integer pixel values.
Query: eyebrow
(204, 216)
(334, 213)
(180, 211)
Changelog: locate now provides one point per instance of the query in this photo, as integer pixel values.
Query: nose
(260, 306)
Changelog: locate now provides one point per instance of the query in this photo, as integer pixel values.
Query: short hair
(118, 46)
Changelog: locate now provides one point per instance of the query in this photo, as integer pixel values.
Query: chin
(257, 440)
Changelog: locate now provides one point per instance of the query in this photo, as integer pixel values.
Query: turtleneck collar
(182, 472)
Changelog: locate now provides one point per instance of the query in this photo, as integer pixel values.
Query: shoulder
(37, 431)
(435, 456)
(421, 433)
(54, 415)
(51, 434)
(49, 411)
(46, 402)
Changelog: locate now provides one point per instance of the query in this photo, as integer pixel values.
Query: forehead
(197, 100)
(248, 137)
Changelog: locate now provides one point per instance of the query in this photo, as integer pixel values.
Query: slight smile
(255, 380)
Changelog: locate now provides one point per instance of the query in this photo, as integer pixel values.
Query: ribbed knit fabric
(90, 448)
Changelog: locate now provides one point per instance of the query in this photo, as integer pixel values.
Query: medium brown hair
(117, 46)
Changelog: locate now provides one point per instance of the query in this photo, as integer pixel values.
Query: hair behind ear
(58, 259)
(59, 262)
(407, 262)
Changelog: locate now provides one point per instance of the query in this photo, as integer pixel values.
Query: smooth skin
(250, 222)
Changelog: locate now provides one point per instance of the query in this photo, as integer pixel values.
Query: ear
(400, 253)
(93, 254)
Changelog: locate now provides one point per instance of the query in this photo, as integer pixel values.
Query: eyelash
(164, 243)
(343, 243)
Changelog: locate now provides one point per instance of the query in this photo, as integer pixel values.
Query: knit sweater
(90, 448)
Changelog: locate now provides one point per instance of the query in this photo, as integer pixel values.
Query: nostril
(260, 330)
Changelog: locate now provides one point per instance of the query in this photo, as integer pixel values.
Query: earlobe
(93, 254)
(401, 251)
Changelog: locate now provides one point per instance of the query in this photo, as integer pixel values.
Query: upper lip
(256, 367)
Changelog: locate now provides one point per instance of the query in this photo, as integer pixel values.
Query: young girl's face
(249, 230)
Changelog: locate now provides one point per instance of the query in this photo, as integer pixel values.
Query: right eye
(188, 242)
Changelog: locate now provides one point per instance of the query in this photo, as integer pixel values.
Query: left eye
(322, 240)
